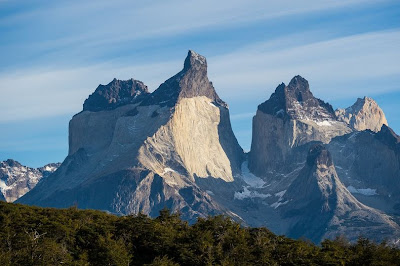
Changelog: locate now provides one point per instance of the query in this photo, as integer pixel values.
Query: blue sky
(55, 53)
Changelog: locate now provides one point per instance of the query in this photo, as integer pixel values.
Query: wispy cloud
(62, 27)
(166, 16)
(34, 93)
(55, 53)
(249, 72)
(328, 65)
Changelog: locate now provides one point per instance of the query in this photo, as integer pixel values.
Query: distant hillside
(16, 179)
(44, 236)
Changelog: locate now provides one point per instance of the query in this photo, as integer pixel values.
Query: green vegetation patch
(44, 236)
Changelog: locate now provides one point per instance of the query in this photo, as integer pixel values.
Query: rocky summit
(296, 101)
(16, 179)
(291, 117)
(311, 172)
(363, 114)
(317, 205)
(114, 94)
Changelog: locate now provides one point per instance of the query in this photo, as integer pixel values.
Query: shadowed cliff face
(369, 163)
(319, 155)
(131, 151)
(387, 136)
(316, 182)
(318, 205)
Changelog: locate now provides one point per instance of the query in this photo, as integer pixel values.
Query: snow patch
(50, 168)
(246, 193)
(249, 178)
(363, 191)
(324, 123)
(167, 169)
(280, 194)
(3, 186)
(213, 105)
(234, 214)
(277, 204)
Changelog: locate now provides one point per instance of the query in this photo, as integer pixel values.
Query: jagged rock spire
(296, 101)
(364, 114)
(319, 155)
(319, 206)
(316, 181)
(299, 83)
(194, 60)
(291, 117)
(190, 82)
(389, 137)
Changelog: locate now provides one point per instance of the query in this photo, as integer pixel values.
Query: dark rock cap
(12, 163)
(295, 100)
(299, 89)
(190, 82)
(194, 60)
(388, 137)
(276, 104)
(318, 154)
(115, 94)
(299, 83)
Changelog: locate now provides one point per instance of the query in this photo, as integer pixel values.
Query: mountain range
(17, 179)
(312, 171)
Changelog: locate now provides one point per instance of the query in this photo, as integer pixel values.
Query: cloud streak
(249, 72)
(329, 64)
(81, 27)
(55, 53)
(33, 93)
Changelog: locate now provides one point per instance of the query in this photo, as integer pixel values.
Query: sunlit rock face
(363, 114)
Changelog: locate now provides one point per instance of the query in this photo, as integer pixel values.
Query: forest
(45, 236)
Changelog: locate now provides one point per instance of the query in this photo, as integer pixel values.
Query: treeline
(43, 236)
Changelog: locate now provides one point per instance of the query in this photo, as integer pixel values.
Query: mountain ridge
(321, 205)
(175, 148)
(17, 179)
(143, 156)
